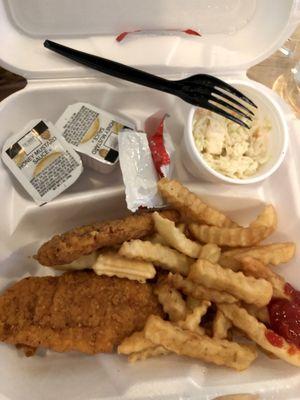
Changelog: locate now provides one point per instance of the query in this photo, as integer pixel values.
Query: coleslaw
(229, 148)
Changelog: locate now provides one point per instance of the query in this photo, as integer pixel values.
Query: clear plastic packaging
(139, 174)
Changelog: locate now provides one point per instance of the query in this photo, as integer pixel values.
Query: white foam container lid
(236, 35)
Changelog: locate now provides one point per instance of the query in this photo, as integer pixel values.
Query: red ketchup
(285, 317)
(273, 338)
(159, 153)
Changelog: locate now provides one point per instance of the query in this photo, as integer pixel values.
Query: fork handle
(113, 68)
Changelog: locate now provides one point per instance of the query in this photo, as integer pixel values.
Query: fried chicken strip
(77, 311)
(69, 246)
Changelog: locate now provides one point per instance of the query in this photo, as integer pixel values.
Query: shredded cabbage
(229, 148)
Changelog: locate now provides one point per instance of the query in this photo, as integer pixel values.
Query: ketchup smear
(285, 317)
(273, 338)
(159, 153)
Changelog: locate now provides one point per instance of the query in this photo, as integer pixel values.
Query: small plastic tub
(278, 141)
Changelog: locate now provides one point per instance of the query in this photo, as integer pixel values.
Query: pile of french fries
(214, 266)
(213, 279)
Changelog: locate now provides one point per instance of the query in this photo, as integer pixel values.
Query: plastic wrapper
(139, 174)
(144, 158)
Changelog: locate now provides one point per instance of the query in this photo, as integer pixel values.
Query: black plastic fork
(199, 90)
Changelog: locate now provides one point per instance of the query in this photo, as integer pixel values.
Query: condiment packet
(43, 162)
(138, 170)
(161, 145)
(93, 133)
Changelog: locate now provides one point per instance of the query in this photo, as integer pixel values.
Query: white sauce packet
(139, 174)
(43, 162)
(93, 133)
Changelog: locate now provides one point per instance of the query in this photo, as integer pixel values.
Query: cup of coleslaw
(215, 149)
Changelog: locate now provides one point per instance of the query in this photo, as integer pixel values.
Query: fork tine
(234, 101)
(225, 114)
(225, 86)
(224, 104)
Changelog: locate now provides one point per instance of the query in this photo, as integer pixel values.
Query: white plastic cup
(267, 104)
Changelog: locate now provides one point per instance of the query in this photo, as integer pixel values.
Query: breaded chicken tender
(77, 311)
(69, 246)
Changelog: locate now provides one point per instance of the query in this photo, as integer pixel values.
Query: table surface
(266, 72)
(269, 70)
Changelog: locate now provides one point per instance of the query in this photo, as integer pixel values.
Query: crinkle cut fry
(135, 343)
(175, 238)
(260, 313)
(182, 342)
(210, 252)
(112, 264)
(193, 319)
(192, 303)
(190, 205)
(157, 239)
(81, 263)
(267, 218)
(231, 237)
(171, 301)
(221, 325)
(159, 255)
(151, 352)
(67, 247)
(246, 288)
(274, 254)
(262, 227)
(139, 348)
(258, 332)
(253, 267)
(198, 291)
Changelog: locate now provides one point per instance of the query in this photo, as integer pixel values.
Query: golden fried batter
(65, 248)
(75, 311)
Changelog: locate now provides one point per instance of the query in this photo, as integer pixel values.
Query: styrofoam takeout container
(236, 35)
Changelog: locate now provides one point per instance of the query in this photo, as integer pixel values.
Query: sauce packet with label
(93, 133)
(41, 160)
